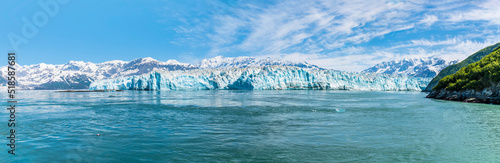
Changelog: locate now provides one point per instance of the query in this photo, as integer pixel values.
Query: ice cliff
(262, 78)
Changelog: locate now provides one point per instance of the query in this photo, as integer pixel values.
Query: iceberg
(262, 78)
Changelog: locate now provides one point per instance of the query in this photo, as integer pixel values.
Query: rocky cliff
(488, 95)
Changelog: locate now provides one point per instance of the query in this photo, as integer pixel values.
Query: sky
(349, 35)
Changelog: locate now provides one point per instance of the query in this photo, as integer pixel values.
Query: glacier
(79, 74)
(262, 78)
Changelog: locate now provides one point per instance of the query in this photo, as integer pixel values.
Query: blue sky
(346, 35)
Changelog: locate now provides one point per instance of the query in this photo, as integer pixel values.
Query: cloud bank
(346, 35)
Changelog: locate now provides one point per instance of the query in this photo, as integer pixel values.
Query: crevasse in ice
(262, 78)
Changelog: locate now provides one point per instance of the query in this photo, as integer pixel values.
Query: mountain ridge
(79, 74)
(455, 67)
(244, 61)
(477, 82)
(427, 67)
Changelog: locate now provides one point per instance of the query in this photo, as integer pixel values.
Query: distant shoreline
(487, 96)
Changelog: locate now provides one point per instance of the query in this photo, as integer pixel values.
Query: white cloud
(276, 28)
(423, 42)
(359, 58)
(488, 10)
(337, 34)
(453, 49)
(429, 20)
(353, 63)
(465, 48)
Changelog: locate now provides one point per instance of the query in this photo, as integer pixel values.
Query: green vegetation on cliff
(454, 68)
(475, 76)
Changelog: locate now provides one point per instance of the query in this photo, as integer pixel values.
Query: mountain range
(476, 82)
(243, 62)
(79, 75)
(427, 67)
(455, 67)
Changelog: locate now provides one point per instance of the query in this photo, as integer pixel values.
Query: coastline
(488, 95)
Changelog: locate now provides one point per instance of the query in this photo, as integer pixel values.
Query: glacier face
(262, 78)
(79, 75)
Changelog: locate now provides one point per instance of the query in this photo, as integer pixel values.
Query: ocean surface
(249, 126)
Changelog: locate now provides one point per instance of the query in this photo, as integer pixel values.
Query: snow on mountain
(242, 62)
(262, 78)
(422, 67)
(79, 75)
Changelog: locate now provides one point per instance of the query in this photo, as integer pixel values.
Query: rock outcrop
(488, 95)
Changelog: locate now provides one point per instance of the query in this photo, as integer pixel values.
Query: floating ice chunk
(339, 110)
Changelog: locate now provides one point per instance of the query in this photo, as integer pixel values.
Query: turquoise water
(249, 126)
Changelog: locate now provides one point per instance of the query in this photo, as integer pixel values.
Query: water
(250, 126)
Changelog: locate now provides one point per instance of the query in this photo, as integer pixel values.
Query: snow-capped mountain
(422, 67)
(242, 62)
(262, 78)
(79, 75)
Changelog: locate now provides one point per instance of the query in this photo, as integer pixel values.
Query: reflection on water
(262, 126)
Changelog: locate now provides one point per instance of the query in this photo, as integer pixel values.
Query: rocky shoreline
(489, 95)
